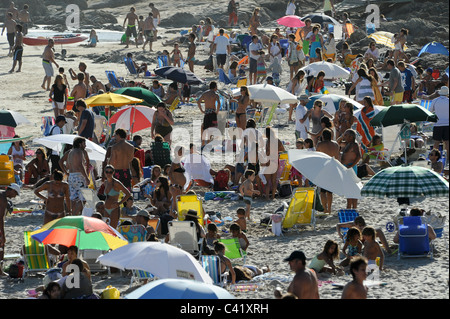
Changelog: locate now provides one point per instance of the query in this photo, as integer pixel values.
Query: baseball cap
(443, 91)
(304, 97)
(60, 118)
(143, 213)
(297, 254)
(15, 187)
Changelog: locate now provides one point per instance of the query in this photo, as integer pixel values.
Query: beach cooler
(147, 171)
(413, 237)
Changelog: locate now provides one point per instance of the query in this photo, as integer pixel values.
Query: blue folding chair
(223, 77)
(131, 70)
(413, 238)
(211, 264)
(163, 61)
(346, 216)
(112, 79)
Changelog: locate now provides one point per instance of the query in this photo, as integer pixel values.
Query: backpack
(221, 181)
(16, 270)
(50, 131)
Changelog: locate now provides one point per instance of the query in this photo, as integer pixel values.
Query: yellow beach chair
(34, 254)
(301, 208)
(174, 104)
(187, 202)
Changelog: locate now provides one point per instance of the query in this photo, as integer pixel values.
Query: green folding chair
(34, 254)
(233, 249)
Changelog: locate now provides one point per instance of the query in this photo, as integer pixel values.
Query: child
(167, 54)
(211, 236)
(375, 147)
(261, 72)
(66, 83)
(309, 144)
(247, 191)
(236, 232)
(93, 39)
(242, 71)
(276, 69)
(241, 219)
(176, 55)
(129, 210)
(186, 93)
(191, 52)
(372, 249)
(353, 244)
(296, 175)
(319, 262)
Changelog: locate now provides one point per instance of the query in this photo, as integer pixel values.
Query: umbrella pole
(133, 109)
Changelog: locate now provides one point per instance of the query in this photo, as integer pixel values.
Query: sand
(405, 279)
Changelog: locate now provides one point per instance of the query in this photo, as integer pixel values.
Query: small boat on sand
(59, 39)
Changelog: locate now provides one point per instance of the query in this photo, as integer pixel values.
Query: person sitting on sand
(38, 167)
(356, 289)
(11, 191)
(72, 254)
(352, 246)
(241, 219)
(372, 250)
(52, 291)
(225, 262)
(236, 232)
(323, 262)
(93, 39)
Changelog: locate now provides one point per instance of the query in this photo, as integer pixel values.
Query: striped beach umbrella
(406, 181)
(384, 38)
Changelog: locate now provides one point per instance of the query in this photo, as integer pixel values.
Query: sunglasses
(109, 172)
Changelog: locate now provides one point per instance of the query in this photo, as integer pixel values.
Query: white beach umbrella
(326, 172)
(160, 259)
(55, 142)
(266, 93)
(331, 70)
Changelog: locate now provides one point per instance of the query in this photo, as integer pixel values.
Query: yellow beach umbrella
(384, 38)
(111, 99)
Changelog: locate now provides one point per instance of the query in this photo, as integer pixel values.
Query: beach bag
(16, 270)
(284, 189)
(110, 292)
(209, 64)
(221, 181)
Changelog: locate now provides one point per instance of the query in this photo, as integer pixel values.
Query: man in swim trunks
(48, 57)
(156, 18)
(210, 98)
(149, 31)
(77, 161)
(122, 153)
(132, 18)
(18, 49)
(10, 26)
(350, 157)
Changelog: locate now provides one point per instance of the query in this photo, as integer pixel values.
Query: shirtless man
(18, 49)
(13, 10)
(330, 148)
(11, 191)
(80, 89)
(210, 98)
(48, 57)
(156, 18)
(96, 85)
(82, 67)
(10, 26)
(132, 19)
(351, 155)
(356, 289)
(24, 18)
(77, 161)
(122, 154)
(149, 31)
(305, 284)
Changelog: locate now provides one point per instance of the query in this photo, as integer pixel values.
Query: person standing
(440, 107)
(122, 153)
(48, 57)
(55, 130)
(408, 82)
(156, 18)
(191, 52)
(132, 18)
(254, 22)
(10, 26)
(395, 83)
(24, 18)
(11, 191)
(149, 32)
(232, 13)
(351, 154)
(212, 107)
(300, 111)
(253, 49)
(86, 123)
(290, 9)
(58, 96)
(222, 48)
(18, 49)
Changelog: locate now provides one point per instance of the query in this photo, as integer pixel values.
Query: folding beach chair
(47, 124)
(241, 82)
(413, 238)
(234, 251)
(301, 209)
(163, 61)
(223, 78)
(211, 264)
(34, 255)
(154, 222)
(112, 79)
(284, 168)
(346, 216)
(183, 234)
(131, 70)
(90, 256)
(349, 59)
(133, 233)
(174, 105)
(187, 202)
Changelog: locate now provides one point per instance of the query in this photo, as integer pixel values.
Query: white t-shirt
(290, 10)
(375, 52)
(254, 47)
(55, 130)
(222, 43)
(440, 107)
(300, 112)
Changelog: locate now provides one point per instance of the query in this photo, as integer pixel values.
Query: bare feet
(277, 293)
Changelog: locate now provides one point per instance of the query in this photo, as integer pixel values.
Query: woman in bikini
(161, 197)
(113, 187)
(241, 111)
(57, 195)
(177, 178)
(273, 148)
(162, 122)
(38, 168)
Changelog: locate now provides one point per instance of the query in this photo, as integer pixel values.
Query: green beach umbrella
(406, 181)
(398, 114)
(150, 98)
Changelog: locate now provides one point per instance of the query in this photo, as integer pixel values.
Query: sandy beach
(414, 278)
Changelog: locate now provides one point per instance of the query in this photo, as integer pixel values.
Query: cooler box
(147, 171)
(413, 236)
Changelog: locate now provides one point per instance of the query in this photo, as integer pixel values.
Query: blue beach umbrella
(179, 75)
(434, 48)
(331, 102)
(179, 289)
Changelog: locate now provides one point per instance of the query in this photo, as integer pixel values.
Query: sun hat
(15, 187)
(191, 213)
(443, 90)
(304, 97)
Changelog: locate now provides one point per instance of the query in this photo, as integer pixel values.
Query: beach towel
(364, 129)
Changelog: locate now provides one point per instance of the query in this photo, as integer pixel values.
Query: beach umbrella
(398, 114)
(81, 231)
(384, 38)
(332, 101)
(326, 172)
(321, 19)
(55, 142)
(179, 289)
(179, 75)
(331, 70)
(12, 118)
(160, 259)
(150, 98)
(266, 93)
(433, 48)
(406, 181)
(111, 99)
(133, 118)
(291, 21)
